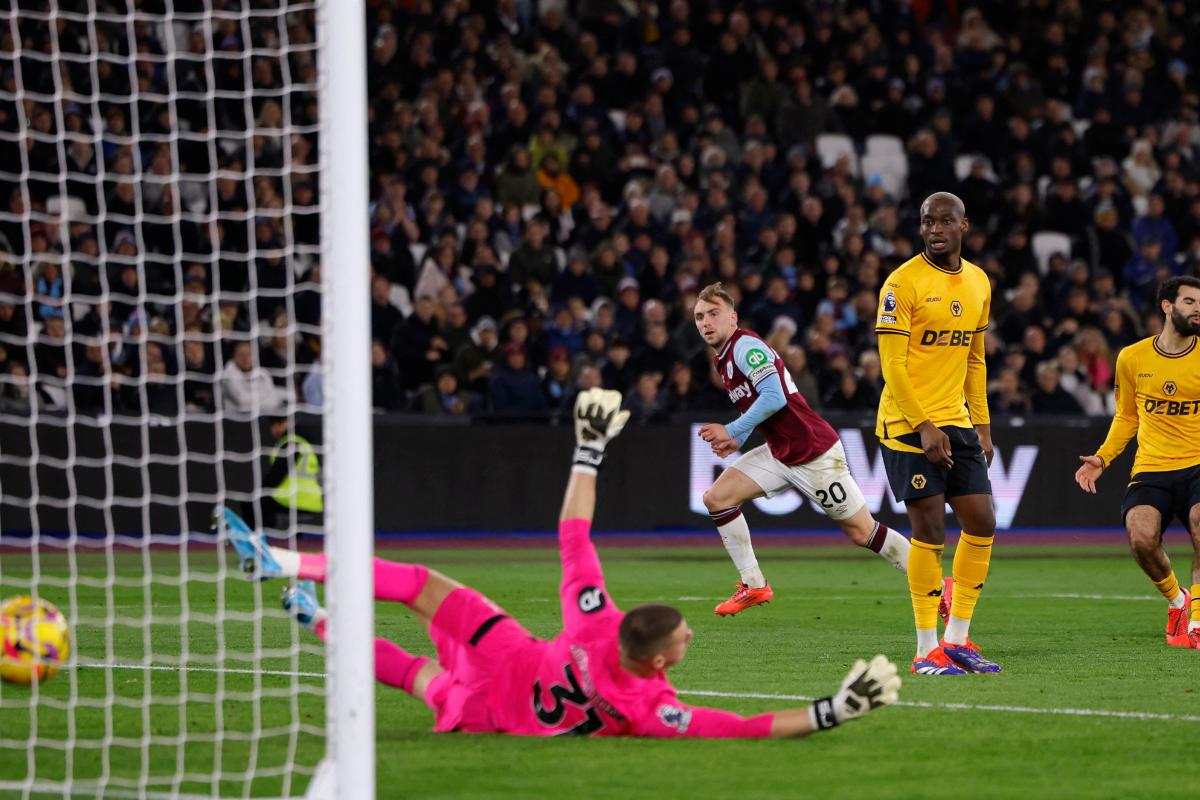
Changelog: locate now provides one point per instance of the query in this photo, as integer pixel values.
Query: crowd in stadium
(552, 183)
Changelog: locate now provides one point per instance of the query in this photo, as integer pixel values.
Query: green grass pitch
(1078, 630)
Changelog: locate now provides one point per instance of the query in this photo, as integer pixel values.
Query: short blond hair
(716, 291)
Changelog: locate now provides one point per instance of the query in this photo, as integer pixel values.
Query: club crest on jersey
(1169, 388)
(918, 481)
(956, 308)
(889, 302)
(729, 370)
(675, 717)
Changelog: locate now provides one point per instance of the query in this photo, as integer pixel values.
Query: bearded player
(934, 426)
(604, 675)
(802, 451)
(1158, 398)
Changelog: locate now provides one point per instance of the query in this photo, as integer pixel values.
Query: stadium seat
(832, 146)
(1046, 243)
(963, 164)
(882, 144)
(892, 168)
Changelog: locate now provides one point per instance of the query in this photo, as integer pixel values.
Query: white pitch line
(1071, 712)
(800, 698)
(855, 597)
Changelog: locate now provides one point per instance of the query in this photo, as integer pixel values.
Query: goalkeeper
(604, 675)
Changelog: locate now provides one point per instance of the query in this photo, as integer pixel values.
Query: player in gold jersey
(1158, 398)
(935, 430)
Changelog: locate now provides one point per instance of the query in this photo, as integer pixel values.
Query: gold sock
(971, 561)
(925, 582)
(1195, 603)
(1169, 586)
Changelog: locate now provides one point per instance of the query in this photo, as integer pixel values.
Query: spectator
(386, 392)
(475, 362)
(796, 360)
(443, 397)
(1049, 397)
(1006, 395)
(246, 387)
(385, 317)
(617, 372)
(559, 380)
(647, 403)
(514, 387)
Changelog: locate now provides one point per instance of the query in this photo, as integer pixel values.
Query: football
(37, 640)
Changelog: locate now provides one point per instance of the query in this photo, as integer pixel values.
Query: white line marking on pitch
(855, 597)
(1068, 712)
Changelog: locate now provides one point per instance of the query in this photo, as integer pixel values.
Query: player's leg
(972, 560)
(394, 666)
(415, 585)
(1194, 622)
(724, 500)
(827, 481)
(921, 486)
(1147, 510)
(969, 492)
(928, 517)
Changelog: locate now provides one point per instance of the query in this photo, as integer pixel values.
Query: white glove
(598, 420)
(865, 688)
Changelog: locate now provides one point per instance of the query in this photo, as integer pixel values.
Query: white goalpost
(184, 311)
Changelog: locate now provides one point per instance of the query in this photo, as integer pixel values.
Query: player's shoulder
(906, 273)
(1142, 348)
(974, 271)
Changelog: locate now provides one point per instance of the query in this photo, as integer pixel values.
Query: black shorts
(1172, 492)
(914, 476)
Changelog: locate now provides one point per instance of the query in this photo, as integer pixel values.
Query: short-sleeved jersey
(940, 312)
(1158, 397)
(795, 433)
(574, 684)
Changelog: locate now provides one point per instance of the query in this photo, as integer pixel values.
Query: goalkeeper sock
(395, 666)
(1194, 625)
(925, 587)
(735, 535)
(971, 560)
(399, 583)
(890, 546)
(1169, 586)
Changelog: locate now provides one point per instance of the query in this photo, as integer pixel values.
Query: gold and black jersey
(931, 325)
(1158, 398)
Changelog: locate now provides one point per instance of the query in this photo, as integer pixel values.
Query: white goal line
(1064, 712)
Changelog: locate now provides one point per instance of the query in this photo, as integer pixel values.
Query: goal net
(164, 175)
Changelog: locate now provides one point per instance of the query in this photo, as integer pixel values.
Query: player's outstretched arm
(865, 688)
(1123, 428)
(598, 418)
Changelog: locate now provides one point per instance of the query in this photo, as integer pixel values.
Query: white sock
(926, 641)
(1179, 601)
(289, 562)
(735, 535)
(895, 551)
(1194, 625)
(956, 630)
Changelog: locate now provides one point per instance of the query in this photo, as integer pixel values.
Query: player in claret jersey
(1158, 398)
(604, 675)
(802, 451)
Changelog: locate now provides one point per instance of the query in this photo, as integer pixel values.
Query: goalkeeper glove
(598, 419)
(865, 688)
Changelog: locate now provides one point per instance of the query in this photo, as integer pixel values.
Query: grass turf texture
(832, 605)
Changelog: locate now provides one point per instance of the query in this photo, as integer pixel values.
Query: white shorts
(826, 480)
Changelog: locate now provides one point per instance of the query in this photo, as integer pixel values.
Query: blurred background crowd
(553, 182)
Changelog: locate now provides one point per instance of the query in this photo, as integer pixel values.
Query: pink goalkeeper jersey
(574, 683)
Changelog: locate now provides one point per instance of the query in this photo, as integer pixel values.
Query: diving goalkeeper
(604, 675)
